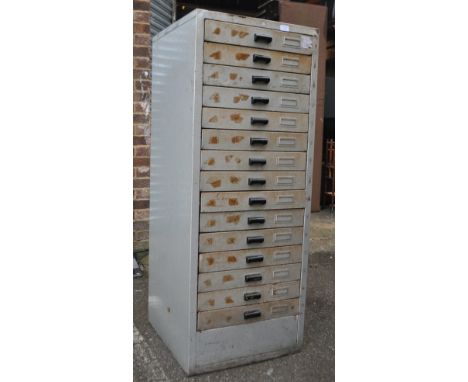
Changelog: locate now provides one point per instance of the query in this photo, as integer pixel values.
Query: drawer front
(235, 221)
(247, 314)
(246, 259)
(213, 139)
(236, 77)
(223, 54)
(240, 278)
(235, 34)
(221, 299)
(232, 119)
(247, 160)
(251, 180)
(251, 200)
(250, 99)
(261, 238)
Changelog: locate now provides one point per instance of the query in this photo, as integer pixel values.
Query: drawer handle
(256, 220)
(260, 80)
(262, 38)
(253, 277)
(256, 181)
(258, 141)
(257, 161)
(254, 259)
(261, 100)
(256, 201)
(252, 296)
(258, 121)
(252, 314)
(255, 239)
(262, 59)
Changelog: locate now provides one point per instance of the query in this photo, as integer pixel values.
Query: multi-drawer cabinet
(233, 111)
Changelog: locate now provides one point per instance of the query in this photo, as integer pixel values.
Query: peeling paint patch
(227, 278)
(210, 260)
(232, 219)
(215, 97)
(228, 300)
(213, 139)
(230, 240)
(215, 183)
(217, 30)
(237, 118)
(213, 119)
(211, 162)
(242, 56)
(216, 55)
(232, 76)
(211, 203)
(214, 75)
(233, 202)
(234, 179)
(232, 259)
(237, 139)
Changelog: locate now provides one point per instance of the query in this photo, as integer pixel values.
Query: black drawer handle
(262, 38)
(253, 277)
(254, 259)
(256, 182)
(256, 201)
(257, 161)
(258, 141)
(252, 296)
(258, 121)
(252, 314)
(260, 80)
(262, 59)
(256, 220)
(262, 100)
(255, 239)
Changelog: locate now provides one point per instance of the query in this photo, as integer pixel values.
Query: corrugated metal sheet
(161, 15)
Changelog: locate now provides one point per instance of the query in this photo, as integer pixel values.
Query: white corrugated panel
(161, 15)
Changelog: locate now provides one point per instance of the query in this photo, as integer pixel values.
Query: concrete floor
(152, 361)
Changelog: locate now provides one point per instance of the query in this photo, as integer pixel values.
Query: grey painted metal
(175, 206)
(161, 15)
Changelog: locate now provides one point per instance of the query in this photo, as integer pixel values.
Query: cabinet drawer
(235, 34)
(260, 238)
(249, 258)
(223, 54)
(217, 118)
(247, 296)
(251, 180)
(236, 77)
(251, 200)
(235, 221)
(241, 278)
(251, 99)
(213, 139)
(247, 314)
(248, 160)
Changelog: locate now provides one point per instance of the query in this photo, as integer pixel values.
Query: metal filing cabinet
(233, 111)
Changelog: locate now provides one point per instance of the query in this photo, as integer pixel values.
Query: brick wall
(141, 122)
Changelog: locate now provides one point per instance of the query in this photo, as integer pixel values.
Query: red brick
(143, 5)
(140, 226)
(139, 74)
(141, 40)
(141, 204)
(141, 141)
(142, 86)
(141, 96)
(140, 235)
(143, 130)
(141, 17)
(141, 214)
(141, 107)
(141, 118)
(142, 171)
(141, 162)
(141, 194)
(141, 63)
(139, 246)
(141, 28)
(141, 183)
(141, 151)
(141, 51)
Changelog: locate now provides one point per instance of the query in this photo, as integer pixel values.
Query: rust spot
(234, 32)
(233, 219)
(207, 282)
(232, 76)
(228, 318)
(227, 278)
(210, 260)
(240, 97)
(217, 31)
(243, 34)
(215, 97)
(232, 259)
(237, 118)
(228, 158)
(211, 203)
(211, 301)
(211, 162)
(241, 56)
(234, 179)
(228, 300)
(237, 139)
(238, 160)
(214, 118)
(214, 75)
(216, 55)
(211, 223)
(215, 183)
(209, 241)
(213, 139)
(233, 202)
(231, 240)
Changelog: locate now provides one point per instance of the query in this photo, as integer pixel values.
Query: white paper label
(284, 28)
(306, 42)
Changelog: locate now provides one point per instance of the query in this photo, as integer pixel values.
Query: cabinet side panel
(172, 188)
